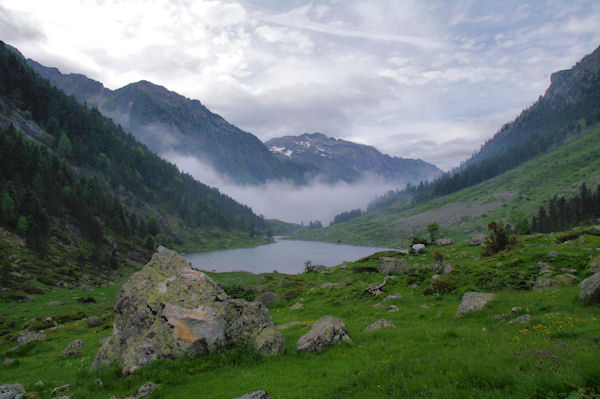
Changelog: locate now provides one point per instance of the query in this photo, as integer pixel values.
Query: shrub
(442, 285)
(497, 240)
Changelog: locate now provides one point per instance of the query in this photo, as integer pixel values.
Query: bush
(443, 285)
(497, 240)
(239, 291)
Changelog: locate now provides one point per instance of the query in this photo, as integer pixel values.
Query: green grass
(521, 190)
(430, 354)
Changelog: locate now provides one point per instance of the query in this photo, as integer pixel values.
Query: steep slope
(83, 169)
(168, 122)
(343, 160)
(513, 194)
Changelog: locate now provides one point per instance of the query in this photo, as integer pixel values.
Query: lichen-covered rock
(443, 268)
(74, 348)
(10, 391)
(589, 290)
(379, 324)
(472, 301)
(477, 239)
(567, 279)
(146, 390)
(255, 395)
(298, 305)
(392, 265)
(543, 283)
(326, 331)
(524, 318)
(167, 310)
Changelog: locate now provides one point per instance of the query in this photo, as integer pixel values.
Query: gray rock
(74, 348)
(543, 283)
(568, 270)
(499, 318)
(8, 361)
(146, 390)
(392, 265)
(553, 254)
(477, 239)
(28, 335)
(393, 309)
(524, 318)
(289, 325)
(379, 324)
(595, 265)
(40, 384)
(169, 310)
(268, 298)
(441, 242)
(567, 279)
(472, 301)
(298, 305)
(61, 389)
(326, 331)
(98, 382)
(11, 391)
(395, 296)
(255, 395)
(418, 249)
(544, 268)
(433, 278)
(137, 256)
(319, 268)
(94, 321)
(443, 268)
(589, 290)
(329, 286)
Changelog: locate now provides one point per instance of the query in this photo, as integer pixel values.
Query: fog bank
(284, 200)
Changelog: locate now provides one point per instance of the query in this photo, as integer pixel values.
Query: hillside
(167, 122)
(337, 159)
(516, 193)
(78, 195)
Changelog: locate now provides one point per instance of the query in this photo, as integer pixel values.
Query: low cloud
(284, 200)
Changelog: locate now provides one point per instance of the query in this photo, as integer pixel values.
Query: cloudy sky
(417, 79)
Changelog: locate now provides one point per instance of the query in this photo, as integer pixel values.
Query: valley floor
(430, 354)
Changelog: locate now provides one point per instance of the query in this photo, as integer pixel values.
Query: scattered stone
(589, 290)
(94, 321)
(393, 309)
(268, 298)
(595, 265)
(477, 239)
(326, 331)
(499, 318)
(28, 335)
(472, 301)
(169, 310)
(395, 296)
(567, 279)
(524, 318)
(40, 384)
(442, 268)
(553, 254)
(61, 389)
(441, 242)
(544, 268)
(330, 285)
(392, 265)
(146, 390)
(54, 303)
(12, 391)
(499, 264)
(417, 249)
(543, 283)
(289, 325)
(379, 324)
(255, 395)
(74, 348)
(8, 361)
(98, 382)
(568, 270)
(516, 309)
(298, 305)
(377, 305)
(433, 278)
(424, 306)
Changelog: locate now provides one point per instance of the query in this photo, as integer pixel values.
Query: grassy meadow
(430, 353)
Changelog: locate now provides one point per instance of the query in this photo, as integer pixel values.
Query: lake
(285, 256)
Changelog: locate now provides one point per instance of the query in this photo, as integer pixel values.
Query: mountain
(83, 194)
(167, 122)
(338, 159)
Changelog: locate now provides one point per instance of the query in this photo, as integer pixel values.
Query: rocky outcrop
(326, 331)
(74, 348)
(255, 395)
(392, 265)
(10, 391)
(167, 310)
(472, 301)
(595, 265)
(589, 290)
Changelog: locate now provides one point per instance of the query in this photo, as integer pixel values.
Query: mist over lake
(285, 256)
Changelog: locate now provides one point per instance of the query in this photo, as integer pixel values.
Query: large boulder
(417, 249)
(589, 290)
(326, 331)
(392, 265)
(168, 310)
(472, 301)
